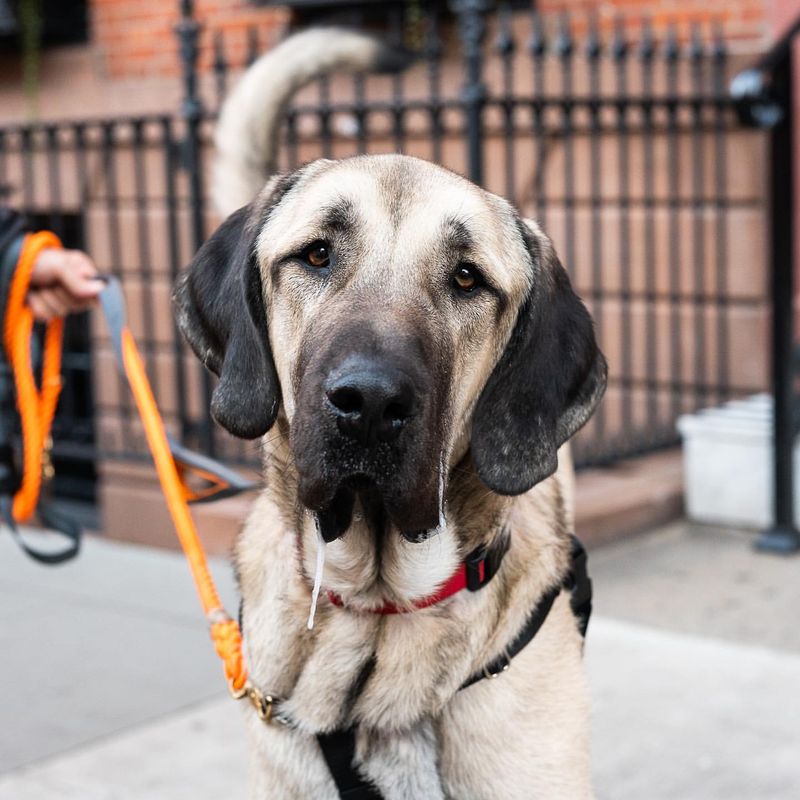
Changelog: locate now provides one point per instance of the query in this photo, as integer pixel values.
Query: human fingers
(49, 303)
(72, 269)
(41, 312)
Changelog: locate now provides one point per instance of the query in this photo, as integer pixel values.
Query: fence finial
(537, 43)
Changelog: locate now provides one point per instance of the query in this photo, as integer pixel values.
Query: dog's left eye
(467, 278)
(317, 255)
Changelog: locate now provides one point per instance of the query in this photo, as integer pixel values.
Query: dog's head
(398, 316)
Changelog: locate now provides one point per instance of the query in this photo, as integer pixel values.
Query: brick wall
(740, 19)
(136, 38)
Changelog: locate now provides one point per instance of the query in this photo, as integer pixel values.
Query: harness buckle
(476, 567)
(483, 563)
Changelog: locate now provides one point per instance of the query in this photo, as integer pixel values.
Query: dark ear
(546, 384)
(220, 310)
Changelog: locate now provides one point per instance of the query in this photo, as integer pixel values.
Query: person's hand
(62, 282)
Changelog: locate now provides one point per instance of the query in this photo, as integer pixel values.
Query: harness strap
(339, 750)
(580, 586)
(520, 641)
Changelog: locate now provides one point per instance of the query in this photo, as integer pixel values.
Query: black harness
(338, 748)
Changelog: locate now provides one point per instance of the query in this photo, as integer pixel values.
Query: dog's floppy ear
(546, 384)
(220, 310)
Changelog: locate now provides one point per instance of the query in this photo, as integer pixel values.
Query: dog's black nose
(371, 402)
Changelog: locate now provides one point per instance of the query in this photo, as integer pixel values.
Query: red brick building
(125, 191)
(129, 62)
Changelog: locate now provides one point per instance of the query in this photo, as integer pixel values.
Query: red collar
(477, 569)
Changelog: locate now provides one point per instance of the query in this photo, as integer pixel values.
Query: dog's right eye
(317, 255)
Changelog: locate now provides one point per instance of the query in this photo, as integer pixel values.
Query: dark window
(63, 22)
(342, 12)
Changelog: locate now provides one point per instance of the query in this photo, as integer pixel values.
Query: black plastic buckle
(483, 563)
(476, 565)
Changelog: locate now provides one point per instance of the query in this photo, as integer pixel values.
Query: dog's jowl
(414, 357)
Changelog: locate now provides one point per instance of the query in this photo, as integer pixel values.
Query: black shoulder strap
(339, 749)
(580, 586)
(520, 641)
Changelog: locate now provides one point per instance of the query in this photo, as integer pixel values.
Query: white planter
(727, 463)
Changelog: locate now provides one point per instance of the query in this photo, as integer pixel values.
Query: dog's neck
(315, 670)
(368, 567)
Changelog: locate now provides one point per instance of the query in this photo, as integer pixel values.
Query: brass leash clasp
(264, 704)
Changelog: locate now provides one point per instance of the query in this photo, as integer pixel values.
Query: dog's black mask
(369, 414)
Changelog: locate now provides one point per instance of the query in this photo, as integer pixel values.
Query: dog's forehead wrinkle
(327, 201)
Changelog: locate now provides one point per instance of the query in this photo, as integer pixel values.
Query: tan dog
(419, 356)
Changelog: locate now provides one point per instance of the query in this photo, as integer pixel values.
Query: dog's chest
(386, 672)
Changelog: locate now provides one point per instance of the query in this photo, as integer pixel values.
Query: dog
(413, 358)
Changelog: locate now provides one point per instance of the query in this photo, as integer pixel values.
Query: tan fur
(520, 735)
(531, 722)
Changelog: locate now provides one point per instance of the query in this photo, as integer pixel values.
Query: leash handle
(225, 632)
(52, 519)
(36, 406)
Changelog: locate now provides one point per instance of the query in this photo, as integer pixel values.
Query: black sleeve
(12, 228)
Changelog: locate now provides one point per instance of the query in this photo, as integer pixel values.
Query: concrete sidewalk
(109, 688)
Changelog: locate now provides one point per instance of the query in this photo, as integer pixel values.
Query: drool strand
(317, 577)
(442, 520)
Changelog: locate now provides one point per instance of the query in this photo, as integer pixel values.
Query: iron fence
(621, 140)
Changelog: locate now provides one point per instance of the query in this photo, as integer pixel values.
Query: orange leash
(225, 632)
(37, 407)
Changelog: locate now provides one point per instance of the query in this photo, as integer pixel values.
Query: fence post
(471, 31)
(765, 97)
(783, 535)
(188, 32)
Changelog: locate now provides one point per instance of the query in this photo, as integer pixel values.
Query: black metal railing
(765, 94)
(622, 141)
(618, 141)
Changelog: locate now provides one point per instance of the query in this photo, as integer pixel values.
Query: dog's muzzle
(365, 428)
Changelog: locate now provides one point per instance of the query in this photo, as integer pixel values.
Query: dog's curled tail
(246, 135)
